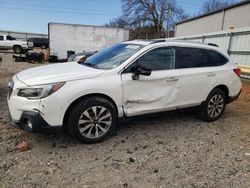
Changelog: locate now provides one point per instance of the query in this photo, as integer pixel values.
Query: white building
(232, 17)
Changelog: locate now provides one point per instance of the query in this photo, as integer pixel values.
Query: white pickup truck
(18, 46)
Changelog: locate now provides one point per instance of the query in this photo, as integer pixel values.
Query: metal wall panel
(194, 40)
(226, 19)
(223, 42)
(241, 59)
(241, 42)
(202, 25)
(22, 35)
(237, 17)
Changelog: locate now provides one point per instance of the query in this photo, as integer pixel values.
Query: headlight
(39, 92)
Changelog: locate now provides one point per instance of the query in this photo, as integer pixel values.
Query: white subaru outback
(128, 79)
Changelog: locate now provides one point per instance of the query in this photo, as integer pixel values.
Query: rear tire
(92, 120)
(17, 49)
(214, 106)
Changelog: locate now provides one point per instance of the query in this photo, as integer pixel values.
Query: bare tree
(120, 22)
(156, 13)
(212, 5)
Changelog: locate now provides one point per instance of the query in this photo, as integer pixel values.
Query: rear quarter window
(216, 58)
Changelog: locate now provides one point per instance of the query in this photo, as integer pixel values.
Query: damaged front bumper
(33, 122)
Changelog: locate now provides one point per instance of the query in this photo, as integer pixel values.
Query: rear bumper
(234, 98)
(39, 125)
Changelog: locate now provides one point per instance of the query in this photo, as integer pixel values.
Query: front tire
(92, 120)
(214, 106)
(18, 49)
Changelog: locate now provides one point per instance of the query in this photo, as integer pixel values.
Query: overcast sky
(34, 15)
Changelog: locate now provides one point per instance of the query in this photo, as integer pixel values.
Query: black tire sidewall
(17, 49)
(77, 111)
(204, 108)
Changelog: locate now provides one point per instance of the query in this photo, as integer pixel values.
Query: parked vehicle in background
(128, 79)
(80, 57)
(39, 42)
(18, 46)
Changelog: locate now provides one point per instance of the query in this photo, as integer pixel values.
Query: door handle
(211, 74)
(172, 79)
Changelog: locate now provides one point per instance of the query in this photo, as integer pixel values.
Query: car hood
(57, 73)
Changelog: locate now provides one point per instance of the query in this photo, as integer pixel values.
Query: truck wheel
(92, 120)
(17, 49)
(214, 106)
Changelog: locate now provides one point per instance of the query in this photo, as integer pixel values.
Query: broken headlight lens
(39, 92)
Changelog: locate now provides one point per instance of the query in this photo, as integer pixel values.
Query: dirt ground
(170, 149)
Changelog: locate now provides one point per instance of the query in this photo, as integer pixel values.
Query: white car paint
(57, 73)
(162, 90)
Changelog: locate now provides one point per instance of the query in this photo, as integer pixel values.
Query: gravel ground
(170, 149)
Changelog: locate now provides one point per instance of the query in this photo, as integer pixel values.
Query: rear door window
(1, 37)
(187, 57)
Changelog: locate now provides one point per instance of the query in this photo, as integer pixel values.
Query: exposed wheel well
(225, 89)
(16, 45)
(65, 118)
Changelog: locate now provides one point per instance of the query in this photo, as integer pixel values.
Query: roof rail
(196, 42)
(179, 40)
(158, 40)
(212, 44)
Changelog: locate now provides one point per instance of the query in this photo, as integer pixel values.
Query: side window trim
(145, 52)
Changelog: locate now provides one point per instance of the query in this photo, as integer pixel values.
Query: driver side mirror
(141, 70)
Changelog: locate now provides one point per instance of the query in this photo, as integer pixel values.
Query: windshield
(112, 57)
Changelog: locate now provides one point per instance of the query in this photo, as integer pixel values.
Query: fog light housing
(27, 125)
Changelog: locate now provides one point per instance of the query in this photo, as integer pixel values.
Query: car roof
(180, 43)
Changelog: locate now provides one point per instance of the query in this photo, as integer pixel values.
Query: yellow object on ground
(245, 70)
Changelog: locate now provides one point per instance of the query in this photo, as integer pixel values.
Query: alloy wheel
(95, 122)
(215, 105)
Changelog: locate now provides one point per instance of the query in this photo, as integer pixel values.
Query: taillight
(237, 71)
